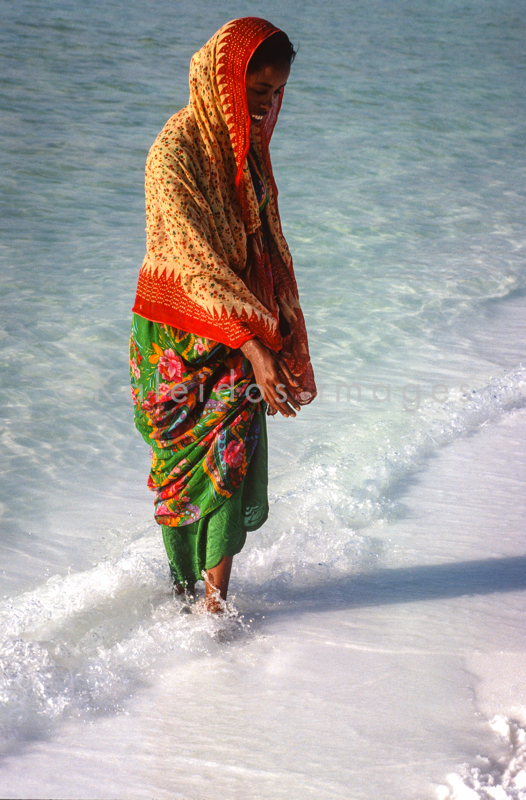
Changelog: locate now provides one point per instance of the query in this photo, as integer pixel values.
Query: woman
(218, 334)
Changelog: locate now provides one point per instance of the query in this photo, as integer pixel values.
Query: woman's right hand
(275, 380)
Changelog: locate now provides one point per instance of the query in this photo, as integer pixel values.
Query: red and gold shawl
(204, 271)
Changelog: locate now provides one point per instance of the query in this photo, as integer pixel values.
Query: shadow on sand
(406, 585)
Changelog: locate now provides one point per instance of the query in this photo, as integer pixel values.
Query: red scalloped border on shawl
(163, 300)
(238, 43)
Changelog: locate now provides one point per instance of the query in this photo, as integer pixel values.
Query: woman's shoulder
(178, 141)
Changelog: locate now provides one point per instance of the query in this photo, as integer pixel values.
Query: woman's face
(263, 89)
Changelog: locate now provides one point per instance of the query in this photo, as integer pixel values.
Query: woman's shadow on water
(404, 585)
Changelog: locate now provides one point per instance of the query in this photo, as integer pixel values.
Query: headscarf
(204, 271)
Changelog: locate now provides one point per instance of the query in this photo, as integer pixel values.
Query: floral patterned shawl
(203, 271)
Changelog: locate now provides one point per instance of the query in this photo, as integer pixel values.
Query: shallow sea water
(376, 623)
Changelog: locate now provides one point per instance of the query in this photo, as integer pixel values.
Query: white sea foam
(488, 779)
(79, 644)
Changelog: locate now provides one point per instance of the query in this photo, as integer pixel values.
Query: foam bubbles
(490, 779)
(82, 644)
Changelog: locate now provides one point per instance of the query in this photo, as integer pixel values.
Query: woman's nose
(270, 100)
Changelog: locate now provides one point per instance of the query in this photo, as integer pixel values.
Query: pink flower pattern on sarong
(233, 454)
(171, 366)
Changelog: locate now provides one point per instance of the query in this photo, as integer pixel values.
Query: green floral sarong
(198, 408)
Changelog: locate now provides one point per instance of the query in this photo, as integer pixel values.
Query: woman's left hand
(275, 380)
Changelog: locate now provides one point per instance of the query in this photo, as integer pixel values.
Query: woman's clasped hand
(275, 380)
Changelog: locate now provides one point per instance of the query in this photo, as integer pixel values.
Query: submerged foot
(211, 603)
(179, 589)
(184, 594)
(185, 597)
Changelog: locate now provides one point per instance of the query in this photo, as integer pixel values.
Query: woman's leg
(217, 584)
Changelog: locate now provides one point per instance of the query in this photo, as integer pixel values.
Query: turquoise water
(400, 160)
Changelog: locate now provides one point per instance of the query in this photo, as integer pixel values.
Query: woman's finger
(284, 395)
(284, 409)
(281, 395)
(278, 404)
(285, 371)
(284, 400)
